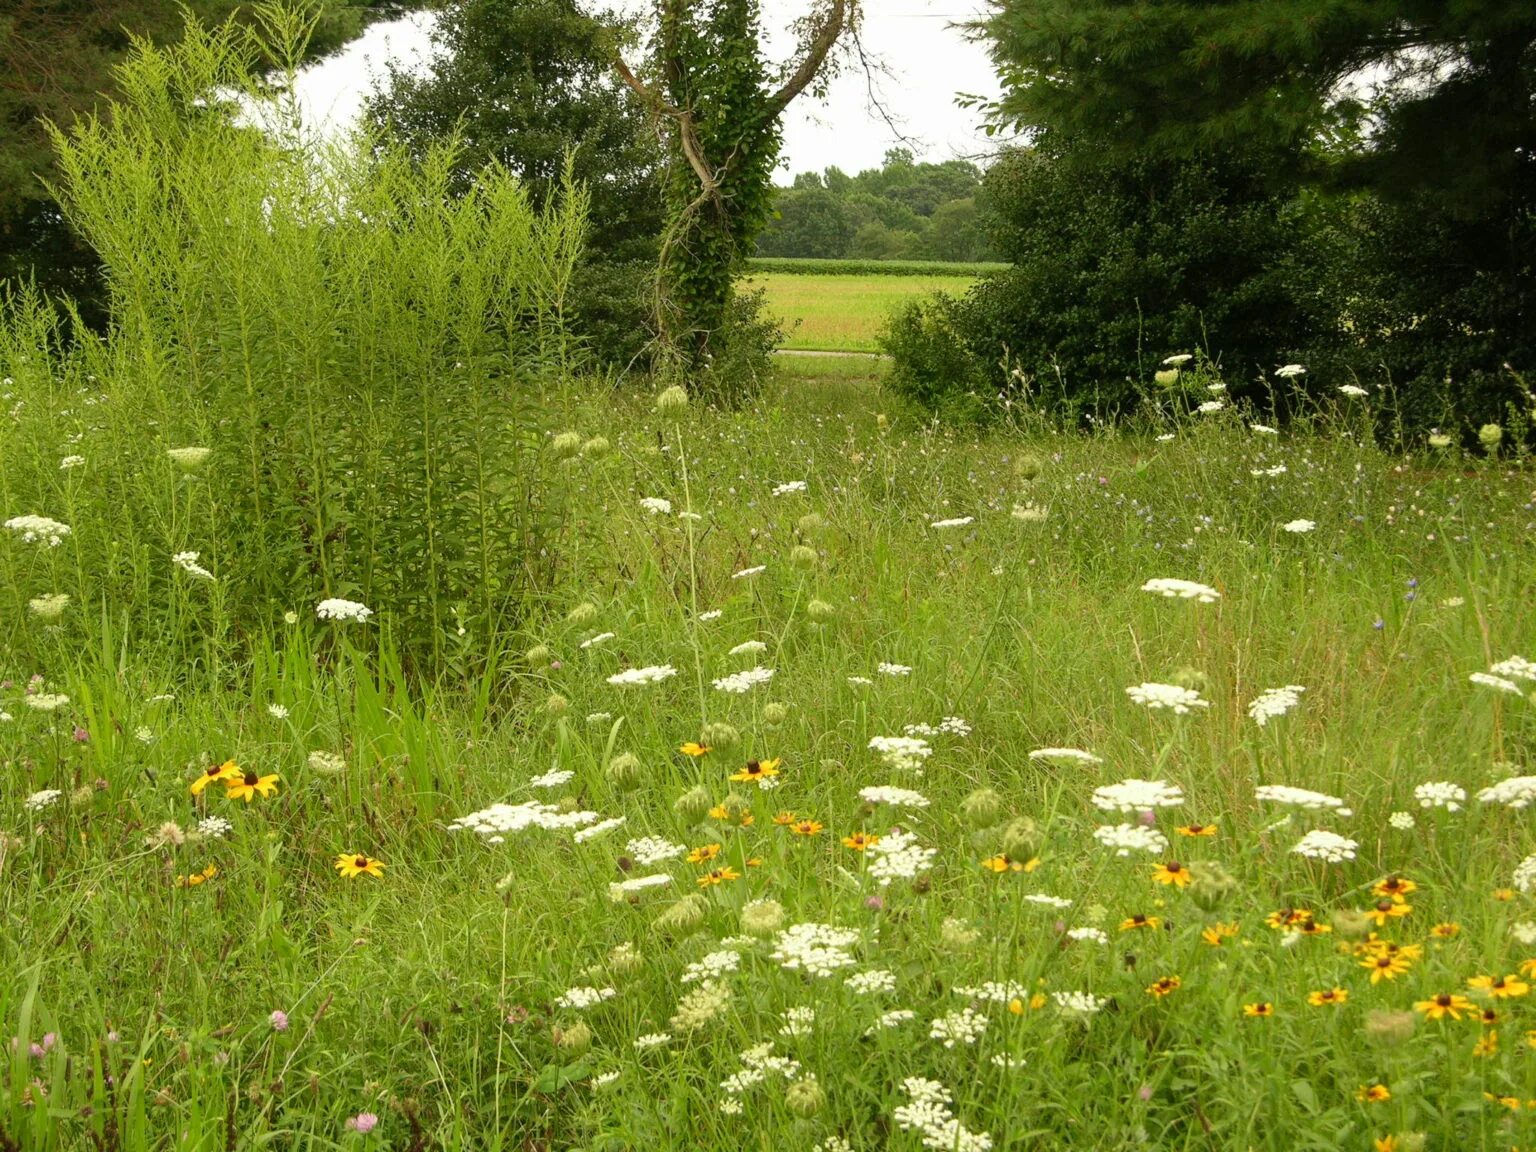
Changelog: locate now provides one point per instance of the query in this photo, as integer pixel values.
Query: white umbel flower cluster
(1514, 792)
(1079, 1003)
(928, 1113)
(499, 821)
(963, 1027)
(38, 530)
(895, 797)
(739, 683)
(1320, 844)
(656, 506)
(1440, 794)
(1497, 683)
(1135, 795)
(815, 949)
(1274, 702)
(788, 487)
(902, 753)
(1181, 590)
(582, 998)
(872, 983)
(38, 801)
(1128, 838)
(955, 522)
(1170, 696)
(336, 609)
(654, 850)
(187, 562)
(994, 991)
(1065, 756)
(1525, 875)
(1300, 798)
(652, 674)
(1517, 666)
(898, 856)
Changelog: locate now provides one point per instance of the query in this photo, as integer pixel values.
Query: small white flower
(789, 486)
(748, 648)
(46, 701)
(1264, 430)
(875, 982)
(49, 607)
(1277, 470)
(903, 753)
(963, 1027)
(1515, 792)
(1093, 935)
(956, 522)
(1211, 406)
(656, 506)
(70, 462)
(1290, 371)
(652, 1040)
(745, 572)
(1525, 874)
(712, 614)
(187, 562)
(1523, 931)
(1165, 437)
(1178, 361)
(886, 668)
(650, 850)
(601, 828)
(1299, 527)
(1402, 821)
(1517, 666)
(595, 641)
(277, 711)
(213, 828)
(1353, 390)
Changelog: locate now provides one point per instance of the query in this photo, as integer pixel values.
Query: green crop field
(844, 313)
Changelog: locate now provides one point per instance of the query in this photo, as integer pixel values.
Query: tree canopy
(901, 210)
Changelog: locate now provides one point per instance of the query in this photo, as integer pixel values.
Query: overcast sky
(929, 61)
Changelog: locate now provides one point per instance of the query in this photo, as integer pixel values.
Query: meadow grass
(843, 313)
(194, 971)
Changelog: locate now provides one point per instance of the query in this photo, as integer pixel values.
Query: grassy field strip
(843, 313)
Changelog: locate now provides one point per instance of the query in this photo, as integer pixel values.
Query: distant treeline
(900, 211)
(815, 266)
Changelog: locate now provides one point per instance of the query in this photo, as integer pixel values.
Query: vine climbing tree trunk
(711, 92)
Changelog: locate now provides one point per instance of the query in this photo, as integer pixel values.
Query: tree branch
(815, 54)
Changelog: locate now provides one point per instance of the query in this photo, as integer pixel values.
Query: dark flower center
(360, 862)
(251, 779)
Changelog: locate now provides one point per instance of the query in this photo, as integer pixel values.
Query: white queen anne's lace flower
(652, 674)
(656, 506)
(898, 856)
(1298, 527)
(1299, 798)
(581, 998)
(1320, 844)
(1514, 792)
(1137, 796)
(1517, 666)
(1440, 794)
(1525, 875)
(1497, 683)
(738, 683)
(955, 522)
(338, 609)
(1166, 696)
(903, 753)
(1181, 590)
(1274, 702)
(963, 1027)
(38, 529)
(815, 949)
(895, 797)
(1128, 838)
(1065, 756)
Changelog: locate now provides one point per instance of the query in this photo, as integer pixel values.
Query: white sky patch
(930, 61)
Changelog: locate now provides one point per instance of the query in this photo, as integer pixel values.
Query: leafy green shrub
(934, 366)
(357, 350)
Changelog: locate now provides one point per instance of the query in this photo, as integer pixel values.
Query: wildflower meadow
(412, 742)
